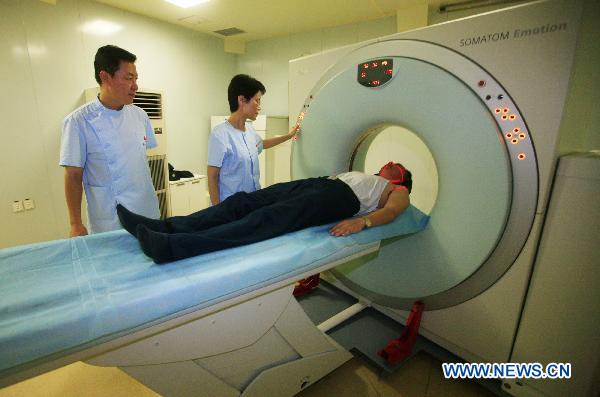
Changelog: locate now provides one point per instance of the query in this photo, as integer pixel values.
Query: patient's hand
(347, 227)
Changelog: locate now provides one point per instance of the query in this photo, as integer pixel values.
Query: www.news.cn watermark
(506, 370)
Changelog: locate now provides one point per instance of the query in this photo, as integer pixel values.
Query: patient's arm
(396, 203)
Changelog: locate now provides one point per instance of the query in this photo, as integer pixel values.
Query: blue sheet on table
(62, 294)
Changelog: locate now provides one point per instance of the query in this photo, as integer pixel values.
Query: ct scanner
(225, 324)
(485, 95)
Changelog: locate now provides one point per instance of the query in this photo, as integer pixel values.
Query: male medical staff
(103, 148)
(234, 145)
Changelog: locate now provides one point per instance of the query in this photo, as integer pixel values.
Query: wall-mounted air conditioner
(152, 103)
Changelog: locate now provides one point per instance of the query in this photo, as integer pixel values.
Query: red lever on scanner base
(306, 285)
(397, 349)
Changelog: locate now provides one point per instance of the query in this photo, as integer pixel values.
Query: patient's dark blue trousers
(246, 218)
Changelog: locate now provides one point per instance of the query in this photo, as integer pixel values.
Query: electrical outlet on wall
(29, 204)
(17, 206)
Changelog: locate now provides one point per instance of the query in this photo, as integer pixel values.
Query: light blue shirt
(236, 153)
(110, 146)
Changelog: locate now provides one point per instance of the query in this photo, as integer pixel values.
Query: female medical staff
(234, 145)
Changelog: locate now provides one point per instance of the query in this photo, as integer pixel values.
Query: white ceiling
(268, 18)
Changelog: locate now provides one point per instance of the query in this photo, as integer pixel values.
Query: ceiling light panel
(187, 3)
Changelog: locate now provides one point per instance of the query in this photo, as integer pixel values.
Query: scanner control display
(376, 72)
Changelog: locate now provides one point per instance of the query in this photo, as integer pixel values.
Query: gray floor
(421, 376)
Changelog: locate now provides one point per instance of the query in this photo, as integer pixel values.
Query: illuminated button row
(375, 73)
(515, 135)
(374, 64)
(299, 121)
(510, 136)
(505, 114)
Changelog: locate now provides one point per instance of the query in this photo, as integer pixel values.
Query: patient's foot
(130, 221)
(154, 244)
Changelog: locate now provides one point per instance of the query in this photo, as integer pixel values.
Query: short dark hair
(407, 183)
(242, 84)
(108, 58)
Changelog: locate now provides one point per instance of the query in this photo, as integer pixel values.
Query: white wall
(580, 128)
(267, 60)
(47, 62)
(436, 17)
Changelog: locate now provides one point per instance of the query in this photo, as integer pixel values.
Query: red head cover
(393, 172)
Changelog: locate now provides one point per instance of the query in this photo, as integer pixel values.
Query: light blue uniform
(236, 153)
(110, 146)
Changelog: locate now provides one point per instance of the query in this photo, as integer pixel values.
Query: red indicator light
(481, 83)
(375, 82)
(363, 75)
(366, 66)
(374, 64)
(388, 71)
(521, 156)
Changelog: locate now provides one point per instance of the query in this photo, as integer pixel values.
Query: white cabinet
(188, 195)
(560, 319)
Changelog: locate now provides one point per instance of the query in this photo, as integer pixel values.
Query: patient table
(221, 324)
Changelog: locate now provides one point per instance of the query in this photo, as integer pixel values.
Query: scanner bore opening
(389, 142)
